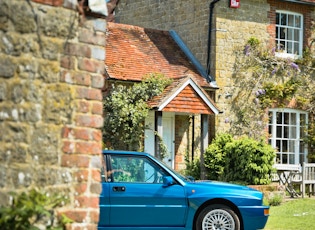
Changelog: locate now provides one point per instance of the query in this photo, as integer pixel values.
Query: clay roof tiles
(133, 52)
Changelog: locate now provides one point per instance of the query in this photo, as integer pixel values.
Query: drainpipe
(211, 6)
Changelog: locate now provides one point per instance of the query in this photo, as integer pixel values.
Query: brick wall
(51, 75)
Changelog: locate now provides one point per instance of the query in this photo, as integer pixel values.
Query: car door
(137, 196)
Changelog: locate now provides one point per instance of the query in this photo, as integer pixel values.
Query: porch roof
(133, 52)
(184, 95)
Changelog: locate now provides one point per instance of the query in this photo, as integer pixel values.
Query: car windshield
(184, 178)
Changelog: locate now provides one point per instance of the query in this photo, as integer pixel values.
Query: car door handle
(119, 189)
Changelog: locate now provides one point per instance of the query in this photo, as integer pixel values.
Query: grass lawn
(296, 214)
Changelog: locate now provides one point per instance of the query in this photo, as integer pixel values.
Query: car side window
(136, 169)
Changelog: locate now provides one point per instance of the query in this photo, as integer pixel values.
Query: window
(289, 34)
(135, 169)
(287, 130)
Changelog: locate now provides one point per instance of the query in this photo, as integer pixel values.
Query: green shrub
(244, 160)
(33, 211)
(215, 156)
(275, 200)
(192, 168)
(249, 160)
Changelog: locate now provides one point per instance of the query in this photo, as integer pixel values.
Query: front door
(168, 136)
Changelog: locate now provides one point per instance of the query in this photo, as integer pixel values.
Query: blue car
(140, 192)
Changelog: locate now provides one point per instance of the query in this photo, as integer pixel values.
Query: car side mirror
(167, 181)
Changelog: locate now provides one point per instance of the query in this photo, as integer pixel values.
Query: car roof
(124, 152)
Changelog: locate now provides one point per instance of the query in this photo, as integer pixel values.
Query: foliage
(245, 160)
(125, 110)
(249, 160)
(29, 211)
(192, 167)
(215, 156)
(275, 200)
(262, 80)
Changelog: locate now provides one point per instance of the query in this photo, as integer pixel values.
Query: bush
(33, 211)
(245, 160)
(215, 156)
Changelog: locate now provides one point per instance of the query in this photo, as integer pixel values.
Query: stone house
(213, 30)
(185, 106)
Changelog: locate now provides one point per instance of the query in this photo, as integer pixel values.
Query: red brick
(98, 81)
(96, 175)
(82, 79)
(90, 94)
(95, 94)
(75, 160)
(79, 50)
(66, 132)
(88, 201)
(94, 38)
(83, 106)
(76, 215)
(93, 66)
(83, 134)
(82, 175)
(67, 62)
(88, 147)
(68, 147)
(97, 108)
(94, 121)
(81, 188)
(97, 135)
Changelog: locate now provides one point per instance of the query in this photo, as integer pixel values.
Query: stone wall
(51, 75)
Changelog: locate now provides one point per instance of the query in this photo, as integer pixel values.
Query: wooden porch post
(158, 128)
(204, 143)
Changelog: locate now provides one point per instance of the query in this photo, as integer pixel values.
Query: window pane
(290, 48)
(286, 132)
(290, 34)
(279, 131)
(291, 159)
(293, 132)
(293, 119)
(284, 146)
(298, 21)
(284, 159)
(290, 20)
(286, 118)
(296, 35)
(291, 146)
(279, 118)
(283, 18)
(283, 33)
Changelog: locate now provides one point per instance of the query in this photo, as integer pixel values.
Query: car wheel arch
(221, 202)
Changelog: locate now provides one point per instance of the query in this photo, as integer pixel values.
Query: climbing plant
(126, 108)
(262, 80)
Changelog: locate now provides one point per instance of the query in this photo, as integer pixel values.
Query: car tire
(217, 217)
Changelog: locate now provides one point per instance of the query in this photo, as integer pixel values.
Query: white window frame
(283, 138)
(283, 52)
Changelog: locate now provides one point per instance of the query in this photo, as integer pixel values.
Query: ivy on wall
(263, 80)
